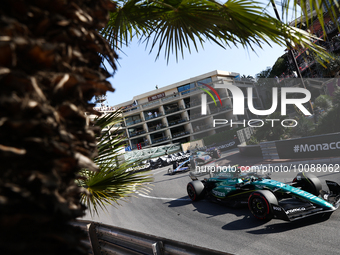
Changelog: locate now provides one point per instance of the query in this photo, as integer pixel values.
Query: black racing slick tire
(196, 190)
(308, 182)
(216, 154)
(260, 204)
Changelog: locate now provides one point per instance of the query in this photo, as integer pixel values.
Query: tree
(174, 26)
(304, 128)
(116, 178)
(323, 102)
(270, 131)
(329, 122)
(331, 67)
(50, 68)
(280, 66)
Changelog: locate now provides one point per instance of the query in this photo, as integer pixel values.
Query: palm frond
(116, 179)
(176, 26)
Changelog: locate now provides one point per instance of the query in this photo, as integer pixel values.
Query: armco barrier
(106, 239)
(318, 146)
(269, 150)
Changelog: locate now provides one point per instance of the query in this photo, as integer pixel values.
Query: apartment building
(172, 114)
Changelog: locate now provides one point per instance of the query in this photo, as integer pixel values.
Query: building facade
(173, 114)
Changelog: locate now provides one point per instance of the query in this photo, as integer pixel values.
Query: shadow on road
(209, 209)
(172, 177)
(272, 227)
(182, 201)
(248, 221)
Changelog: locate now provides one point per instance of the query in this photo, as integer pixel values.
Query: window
(205, 81)
(186, 88)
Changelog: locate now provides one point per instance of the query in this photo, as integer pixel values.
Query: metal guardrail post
(91, 229)
(106, 239)
(157, 248)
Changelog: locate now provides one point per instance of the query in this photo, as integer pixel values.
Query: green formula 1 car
(267, 198)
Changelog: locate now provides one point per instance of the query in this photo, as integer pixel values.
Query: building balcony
(131, 109)
(222, 95)
(182, 133)
(157, 127)
(171, 97)
(130, 123)
(172, 110)
(220, 109)
(193, 103)
(153, 116)
(197, 116)
(149, 104)
(159, 140)
(200, 128)
(137, 133)
(175, 122)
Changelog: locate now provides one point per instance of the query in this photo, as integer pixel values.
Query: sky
(139, 72)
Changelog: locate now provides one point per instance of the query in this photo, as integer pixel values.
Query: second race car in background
(179, 167)
(204, 157)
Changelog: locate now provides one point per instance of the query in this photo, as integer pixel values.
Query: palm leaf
(116, 180)
(175, 25)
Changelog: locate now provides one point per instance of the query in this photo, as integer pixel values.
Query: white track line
(162, 198)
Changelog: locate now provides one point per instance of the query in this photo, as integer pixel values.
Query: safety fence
(106, 239)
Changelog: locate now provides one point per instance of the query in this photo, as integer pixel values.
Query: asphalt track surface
(167, 211)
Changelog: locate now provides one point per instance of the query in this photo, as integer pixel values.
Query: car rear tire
(216, 154)
(260, 204)
(170, 171)
(308, 182)
(196, 190)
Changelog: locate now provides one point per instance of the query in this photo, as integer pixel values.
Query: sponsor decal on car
(231, 181)
(277, 208)
(218, 193)
(295, 210)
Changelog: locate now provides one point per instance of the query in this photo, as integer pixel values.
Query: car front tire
(260, 204)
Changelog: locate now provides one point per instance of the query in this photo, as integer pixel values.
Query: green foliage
(304, 128)
(323, 102)
(253, 140)
(115, 180)
(174, 26)
(280, 66)
(330, 67)
(330, 121)
(269, 133)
